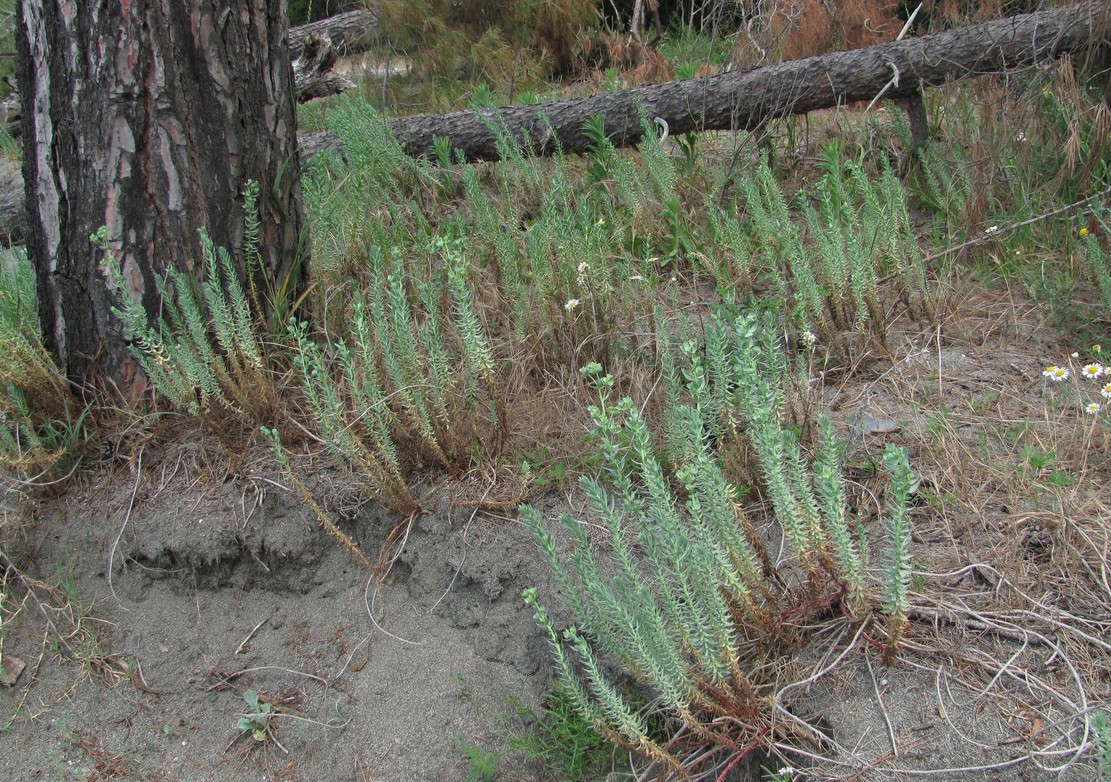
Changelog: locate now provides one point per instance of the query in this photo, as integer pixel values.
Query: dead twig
(254, 630)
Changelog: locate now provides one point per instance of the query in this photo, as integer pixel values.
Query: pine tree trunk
(149, 117)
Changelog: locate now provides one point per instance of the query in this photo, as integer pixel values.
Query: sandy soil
(186, 587)
(218, 588)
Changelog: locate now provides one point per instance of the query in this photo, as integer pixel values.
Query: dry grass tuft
(54, 612)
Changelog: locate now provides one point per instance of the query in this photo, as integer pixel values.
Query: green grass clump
(10, 149)
(560, 737)
(409, 380)
(682, 593)
(41, 421)
(1094, 263)
(684, 46)
(1101, 737)
(828, 265)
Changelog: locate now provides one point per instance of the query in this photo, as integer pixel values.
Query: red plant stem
(740, 755)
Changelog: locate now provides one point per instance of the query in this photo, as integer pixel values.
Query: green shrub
(683, 596)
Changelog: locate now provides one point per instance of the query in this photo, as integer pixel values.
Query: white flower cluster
(1091, 371)
(1055, 373)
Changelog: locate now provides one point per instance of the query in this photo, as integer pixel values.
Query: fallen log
(349, 33)
(313, 76)
(747, 100)
(309, 145)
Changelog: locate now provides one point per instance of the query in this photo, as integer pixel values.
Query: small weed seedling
(462, 688)
(257, 720)
(482, 766)
(1042, 466)
(260, 720)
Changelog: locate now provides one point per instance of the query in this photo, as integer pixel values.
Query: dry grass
(55, 613)
(637, 62)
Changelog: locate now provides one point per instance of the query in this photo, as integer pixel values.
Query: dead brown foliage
(804, 28)
(638, 62)
(962, 11)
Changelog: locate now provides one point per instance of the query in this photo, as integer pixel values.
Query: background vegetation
(7, 39)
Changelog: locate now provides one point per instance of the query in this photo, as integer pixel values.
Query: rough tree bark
(149, 117)
(347, 33)
(745, 100)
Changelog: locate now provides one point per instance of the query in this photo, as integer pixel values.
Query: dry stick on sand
(123, 526)
(227, 679)
(1000, 671)
(1019, 625)
(254, 630)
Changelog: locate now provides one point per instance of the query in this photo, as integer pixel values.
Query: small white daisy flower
(1074, 354)
(1056, 373)
(1092, 408)
(809, 338)
(637, 278)
(1105, 392)
(1092, 371)
(601, 221)
(991, 229)
(571, 304)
